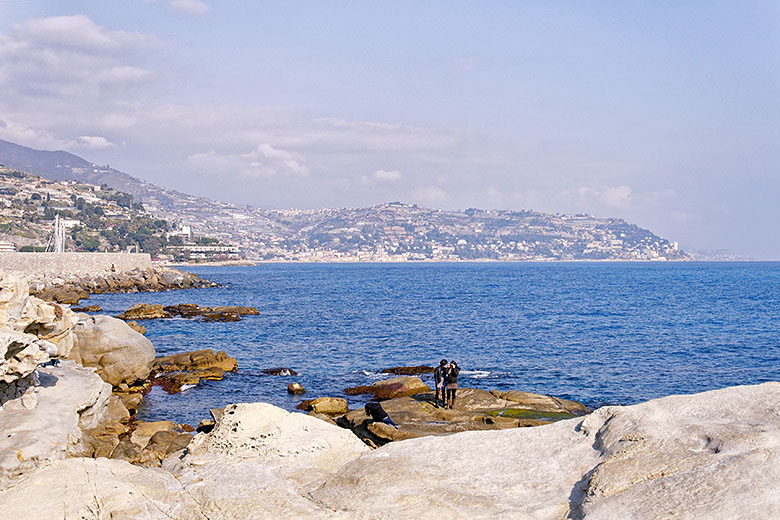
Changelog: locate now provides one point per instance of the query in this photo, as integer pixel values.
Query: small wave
(374, 375)
(476, 374)
(184, 388)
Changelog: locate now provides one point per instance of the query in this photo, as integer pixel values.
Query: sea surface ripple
(599, 333)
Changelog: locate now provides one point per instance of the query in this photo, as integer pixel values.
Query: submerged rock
(279, 371)
(175, 381)
(408, 371)
(391, 388)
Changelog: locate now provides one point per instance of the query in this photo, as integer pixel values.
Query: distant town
(107, 210)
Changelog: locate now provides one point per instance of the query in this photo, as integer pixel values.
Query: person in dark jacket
(438, 381)
(378, 414)
(451, 378)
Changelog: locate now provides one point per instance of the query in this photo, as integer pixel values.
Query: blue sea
(598, 333)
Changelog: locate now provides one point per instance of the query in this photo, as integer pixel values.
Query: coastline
(615, 462)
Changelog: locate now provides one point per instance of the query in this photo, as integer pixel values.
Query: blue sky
(666, 114)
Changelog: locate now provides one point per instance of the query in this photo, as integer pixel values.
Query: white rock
(20, 355)
(92, 489)
(120, 354)
(259, 462)
(67, 400)
(21, 312)
(714, 455)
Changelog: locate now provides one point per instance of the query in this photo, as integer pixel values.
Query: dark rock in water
(408, 371)
(173, 382)
(136, 327)
(241, 311)
(295, 389)
(279, 371)
(305, 405)
(358, 390)
(87, 308)
(391, 388)
(221, 316)
(219, 313)
(475, 409)
(144, 311)
(196, 360)
(188, 368)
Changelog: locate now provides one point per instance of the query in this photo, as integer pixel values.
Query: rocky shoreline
(72, 288)
(70, 384)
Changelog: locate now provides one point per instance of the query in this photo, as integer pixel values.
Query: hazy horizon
(664, 115)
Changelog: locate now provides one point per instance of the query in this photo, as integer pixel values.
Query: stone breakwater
(63, 264)
(72, 288)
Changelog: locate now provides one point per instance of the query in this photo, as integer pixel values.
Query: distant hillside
(388, 232)
(60, 165)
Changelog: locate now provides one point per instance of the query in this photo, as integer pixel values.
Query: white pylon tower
(59, 235)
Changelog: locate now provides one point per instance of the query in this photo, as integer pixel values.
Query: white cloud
(124, 75)
(71, 60)
(430, 195)
(189, 7)
(341, 134)
(263, 162)
(22, 134)
(387, 175)
(79, 32)
(95, 142)
(617, 197)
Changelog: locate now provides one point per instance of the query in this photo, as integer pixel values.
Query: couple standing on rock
(446, 379)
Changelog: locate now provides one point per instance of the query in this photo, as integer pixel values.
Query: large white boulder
(714, 455)
(259, 462)
(47, 422)
(97, 489)
(119, 353)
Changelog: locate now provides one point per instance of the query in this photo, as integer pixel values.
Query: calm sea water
(599, 333)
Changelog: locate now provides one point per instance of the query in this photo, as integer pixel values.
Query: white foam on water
(184, 388)
(476, 374)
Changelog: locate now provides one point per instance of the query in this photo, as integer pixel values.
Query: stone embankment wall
(63, 264)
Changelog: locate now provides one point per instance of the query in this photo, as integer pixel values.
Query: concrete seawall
(63, 264)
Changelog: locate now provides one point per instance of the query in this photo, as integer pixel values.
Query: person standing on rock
(451, 378)
(439, 383)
